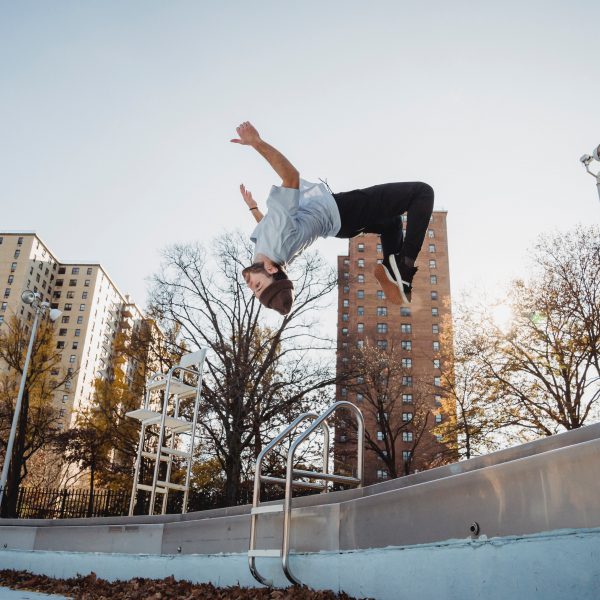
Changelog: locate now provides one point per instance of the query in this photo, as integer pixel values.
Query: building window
(84, 295)
(345, 316)
(380, 436)
(86, 283)
(60, 345)
(360, 380)
(406, 328)
(70, 295)
(431, 247)
(407, 416)
(4, 305)
(360, 247)
(346, 275)
(77, 332)
(11, 278)
(346, 303)
(360, 344)
(407, 398)
(13, 267)
(62, 331)
(430, 233)
(61, 412)
(75, 271)
(361, 263)
(344, 391)
(407, 436)
(360, 294)
(72, 358)
(407, 363)
(72, 282)
(68, 306)
(382, 327)
(406, 455)
(434, 311)
(378, 248)
(382, 311)
(434, 295)
(75, 345)
(360, 327)
(407, 380)
(360, 397)
(404, 311)
(59, 282)
(346, 262)
(360, 278)
(433, 279)
(62, 270)
(20, 241)
(79, 320)
(89, 270)
(435, 328)
(406, 345)
(436, 346)
(344, 331)
(360, 311)
(438, 399)
(437, 381)
(438, 418)
(7, 292)
(346, 289)
(65, 398)
(382, 344)
(382, 474)
(432, 264)
(436, 363)
(380, 295)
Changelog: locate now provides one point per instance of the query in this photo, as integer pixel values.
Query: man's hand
(248, 134)
(247, 196)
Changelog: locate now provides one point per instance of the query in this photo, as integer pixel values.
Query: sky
(116, 116)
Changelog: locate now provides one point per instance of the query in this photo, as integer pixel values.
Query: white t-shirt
(294, 220)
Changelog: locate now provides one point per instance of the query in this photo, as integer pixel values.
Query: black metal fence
(37, 503)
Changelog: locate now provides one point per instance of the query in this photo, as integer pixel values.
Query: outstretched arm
(282, 166)
(251, 203)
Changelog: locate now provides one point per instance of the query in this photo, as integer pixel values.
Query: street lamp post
(32, 298)
(586, 159)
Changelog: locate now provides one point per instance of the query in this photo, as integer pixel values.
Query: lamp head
(54, 314)
(596, 154)
(29, 297)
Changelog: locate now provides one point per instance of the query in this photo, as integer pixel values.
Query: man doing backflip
(299, 212)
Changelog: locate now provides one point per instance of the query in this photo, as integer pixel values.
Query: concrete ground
(8, 594)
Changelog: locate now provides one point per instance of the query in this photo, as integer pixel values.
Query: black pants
(379, 209)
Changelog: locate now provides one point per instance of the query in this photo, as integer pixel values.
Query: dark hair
(259, 267)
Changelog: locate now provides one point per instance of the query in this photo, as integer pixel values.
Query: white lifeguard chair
(181, 382)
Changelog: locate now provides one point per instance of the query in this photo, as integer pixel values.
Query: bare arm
(251, 203)
(282, 166)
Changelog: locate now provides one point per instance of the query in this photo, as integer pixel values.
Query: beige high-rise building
(410, 334)
(93, 312)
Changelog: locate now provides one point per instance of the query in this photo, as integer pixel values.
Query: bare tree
(261, 371)
(402, 413)
(473, 420)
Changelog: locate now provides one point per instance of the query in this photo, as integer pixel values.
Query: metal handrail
(258, 478)
(287, 510)
(290, 483)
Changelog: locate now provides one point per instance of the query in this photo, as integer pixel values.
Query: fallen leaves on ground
(91, 587)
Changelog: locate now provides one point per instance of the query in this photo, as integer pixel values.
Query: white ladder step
(274, 508)
(173, 451)
(148, 488)
(173, 486)
(265, 553)
(152, 417)
(177, 387)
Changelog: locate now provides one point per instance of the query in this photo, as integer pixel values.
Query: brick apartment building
(410, 336)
